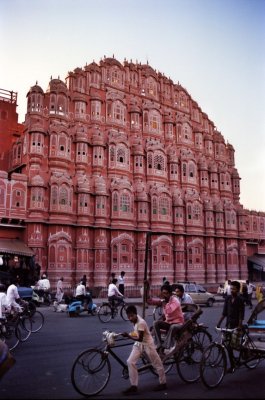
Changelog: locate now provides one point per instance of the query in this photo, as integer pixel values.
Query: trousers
(154, 358)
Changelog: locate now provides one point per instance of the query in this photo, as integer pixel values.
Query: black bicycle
(110, 310)
(91, 370)
(232, 345)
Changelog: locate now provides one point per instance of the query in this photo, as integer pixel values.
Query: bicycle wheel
(12, 335)
(202, 336)
(24, 326)
(213, 365)
(105, 313)
(157, 313)
(37, 320)
(90, 372)
(188, 362)
(123, 313)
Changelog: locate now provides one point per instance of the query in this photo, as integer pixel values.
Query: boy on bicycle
(143, 341)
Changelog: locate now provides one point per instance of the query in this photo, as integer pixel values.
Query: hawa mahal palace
(115, 153)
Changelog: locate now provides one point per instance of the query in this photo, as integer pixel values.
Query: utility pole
(146, 283)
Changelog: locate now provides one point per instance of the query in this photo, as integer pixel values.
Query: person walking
(59, 290)
(250, 290)
(143, 341)
(121, 282)
(227, 290)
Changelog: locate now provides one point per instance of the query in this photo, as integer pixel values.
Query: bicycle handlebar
(229, 330)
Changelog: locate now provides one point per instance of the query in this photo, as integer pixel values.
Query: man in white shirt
(3, 303)
(11, 297)
(44, 283)
(114, 295)
(82, 294)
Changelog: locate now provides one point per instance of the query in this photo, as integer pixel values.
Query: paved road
(44, 364)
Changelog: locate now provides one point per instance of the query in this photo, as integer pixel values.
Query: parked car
(198, 293)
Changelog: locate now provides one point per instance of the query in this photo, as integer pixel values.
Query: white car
(198, 293)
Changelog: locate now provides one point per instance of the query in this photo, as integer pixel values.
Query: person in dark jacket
(234, 312)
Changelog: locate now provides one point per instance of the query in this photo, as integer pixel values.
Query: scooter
(76, 307)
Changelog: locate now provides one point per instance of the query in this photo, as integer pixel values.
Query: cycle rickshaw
(91, 369)
(248, 349)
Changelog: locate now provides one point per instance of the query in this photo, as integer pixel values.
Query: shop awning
(15, 246)
(258, 262)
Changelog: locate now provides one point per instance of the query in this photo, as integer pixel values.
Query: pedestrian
(143, 342)
(259, 295)
(121, 282)
(227, 289)
(59, 290)
(250, 290)
(220, 289)
(233, 311)
(172, 318)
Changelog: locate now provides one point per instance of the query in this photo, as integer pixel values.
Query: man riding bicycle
(115, 297)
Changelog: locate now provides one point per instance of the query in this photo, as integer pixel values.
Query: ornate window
(83, 206)
(95, 109)
(151, 87)
(18, 197)
(98, 155)
(2, 194)
(154, 121)
(37, 197)
(36, 143)
(125, 203)
(115, 202)
(154, 205)
(81, 152)
(159, 162)
(80, 109)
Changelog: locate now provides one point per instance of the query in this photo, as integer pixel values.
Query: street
(43, 364)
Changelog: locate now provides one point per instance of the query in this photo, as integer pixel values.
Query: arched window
(163, 205)
(54, 197)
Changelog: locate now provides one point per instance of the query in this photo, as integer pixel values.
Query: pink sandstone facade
(114, 152)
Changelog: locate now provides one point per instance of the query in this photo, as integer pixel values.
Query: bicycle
(243, 351)
(15, 328)
(109, 310)
(91, 369)
(36, 317)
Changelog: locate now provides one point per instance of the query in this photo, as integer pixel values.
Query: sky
(214, 48)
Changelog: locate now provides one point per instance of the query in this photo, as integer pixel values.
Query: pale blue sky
(214, 48)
